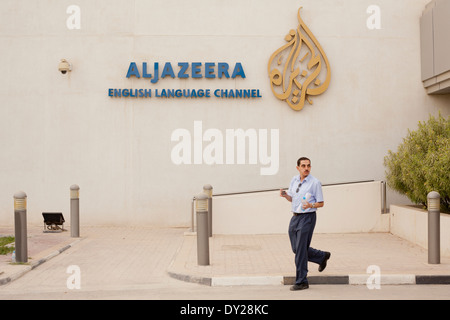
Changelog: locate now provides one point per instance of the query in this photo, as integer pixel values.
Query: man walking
(305, 193)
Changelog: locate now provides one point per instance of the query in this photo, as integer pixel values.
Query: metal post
(74, 211)
(202, 230)
(20, 226)
(384, 199)
(207, 189)
(192, 215)
(434, 228)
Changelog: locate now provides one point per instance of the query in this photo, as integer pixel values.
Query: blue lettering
(155, 80)
(167, 71)
(182, 73)
(196, 71)
(209, 70)
(144, 71)
(133, 70)
(255, 93)
(187, 93)
(238, 71)
(223, 70)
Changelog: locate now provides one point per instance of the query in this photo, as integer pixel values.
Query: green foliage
(3, 242)
(422, 163)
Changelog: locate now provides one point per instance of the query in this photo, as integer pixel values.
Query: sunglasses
(299, 185)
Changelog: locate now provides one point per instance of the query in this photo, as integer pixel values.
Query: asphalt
(357, 258)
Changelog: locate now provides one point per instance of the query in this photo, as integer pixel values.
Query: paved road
(171, 289)
(142, 274)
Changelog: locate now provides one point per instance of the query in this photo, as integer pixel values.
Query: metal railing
(268, 190)
(383, 195)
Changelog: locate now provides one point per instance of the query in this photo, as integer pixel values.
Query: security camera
(64, 66)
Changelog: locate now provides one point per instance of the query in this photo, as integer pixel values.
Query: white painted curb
(358, 279)
(247, 281)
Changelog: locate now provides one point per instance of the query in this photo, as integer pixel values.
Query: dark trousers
(301, 229)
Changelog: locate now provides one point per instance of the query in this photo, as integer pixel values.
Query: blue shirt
(310, 185)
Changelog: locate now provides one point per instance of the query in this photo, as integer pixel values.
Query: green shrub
(422, 163)
(4, 241)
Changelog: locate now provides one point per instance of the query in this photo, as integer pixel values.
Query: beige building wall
(57, 130)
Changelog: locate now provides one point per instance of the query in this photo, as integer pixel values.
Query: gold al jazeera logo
(299, 69)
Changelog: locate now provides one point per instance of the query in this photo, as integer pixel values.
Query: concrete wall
(412, 224)
(57, 130)
(348, 208)
(435, 48)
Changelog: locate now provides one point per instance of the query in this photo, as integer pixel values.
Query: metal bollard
(434, 228)
(202, 230)
(192, 215)
(207, 189)
(20, 226)
(74, 211)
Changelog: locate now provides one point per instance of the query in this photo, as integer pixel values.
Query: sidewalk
(254, 259)
(268, 259)
(41, 247)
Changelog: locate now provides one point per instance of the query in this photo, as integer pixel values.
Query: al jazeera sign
(295, 72)
(185, 70)
(295, 69)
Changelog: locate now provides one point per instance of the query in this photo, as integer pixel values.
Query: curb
(433, 279)
(35, 264)
(353, 279)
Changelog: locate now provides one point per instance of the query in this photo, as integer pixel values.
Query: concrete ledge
(411, 223)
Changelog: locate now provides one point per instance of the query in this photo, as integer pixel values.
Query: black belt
(298, 214)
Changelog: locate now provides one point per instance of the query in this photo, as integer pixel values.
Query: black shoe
(323, 265)
(301, 286)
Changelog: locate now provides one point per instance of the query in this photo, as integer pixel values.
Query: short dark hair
(300, 160)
